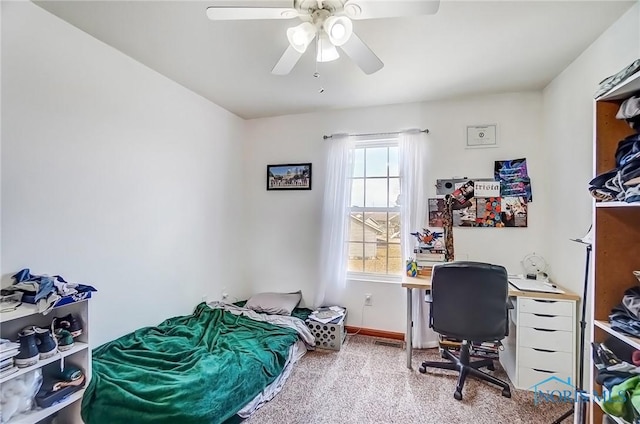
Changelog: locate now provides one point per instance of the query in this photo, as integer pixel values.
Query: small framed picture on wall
(291, 176)
(481, 136)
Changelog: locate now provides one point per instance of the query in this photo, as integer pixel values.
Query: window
(374, 224)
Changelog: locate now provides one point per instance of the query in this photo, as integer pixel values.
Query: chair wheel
(423, 370)
(458, 395)
(506, 393)
(442, 355)
(491, 367)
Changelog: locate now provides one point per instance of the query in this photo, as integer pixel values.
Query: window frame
(364, 143)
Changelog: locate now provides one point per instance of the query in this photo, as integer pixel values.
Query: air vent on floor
(388, 343)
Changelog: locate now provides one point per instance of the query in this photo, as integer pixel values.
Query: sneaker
(28, 354)
(47, 345)
(69, 323)
(65, 339)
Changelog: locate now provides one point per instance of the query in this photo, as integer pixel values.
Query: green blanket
(201, 368)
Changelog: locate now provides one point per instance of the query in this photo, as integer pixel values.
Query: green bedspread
(201, 368)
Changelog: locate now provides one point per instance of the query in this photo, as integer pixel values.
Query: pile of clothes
(626, 316)
(44, 290)
(623, 182)
(620, 378)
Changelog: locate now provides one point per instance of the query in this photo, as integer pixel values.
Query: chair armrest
(510, 304)
(427, 297)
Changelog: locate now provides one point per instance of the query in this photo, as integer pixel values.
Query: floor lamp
(579, 408)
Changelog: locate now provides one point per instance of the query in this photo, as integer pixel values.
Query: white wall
(114, 175)
(284, 226)
(568, 127)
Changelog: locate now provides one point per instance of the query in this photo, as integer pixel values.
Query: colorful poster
(488, 212)
(436, 212)
(514, 211)
(464, 215)
(514, 178)
(516, 188)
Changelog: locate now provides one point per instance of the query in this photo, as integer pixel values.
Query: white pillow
(274, 303)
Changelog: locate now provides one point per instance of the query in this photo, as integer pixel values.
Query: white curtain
(335, 221)
(413, 158)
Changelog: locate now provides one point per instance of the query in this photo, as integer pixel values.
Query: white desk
(542, 334)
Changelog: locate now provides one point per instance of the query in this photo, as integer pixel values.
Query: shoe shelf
(630, 340)
(78, 346)
(36, 415)
(27, 309)
(26, 315)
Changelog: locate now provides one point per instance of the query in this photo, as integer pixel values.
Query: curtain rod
(382, 133)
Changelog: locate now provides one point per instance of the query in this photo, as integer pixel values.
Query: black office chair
(469, 302)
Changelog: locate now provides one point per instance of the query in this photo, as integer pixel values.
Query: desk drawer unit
(546, 322)
(547, 307)
(531, 378)
(546, 341)
(548, 360)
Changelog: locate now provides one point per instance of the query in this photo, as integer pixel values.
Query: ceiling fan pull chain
(316, 74)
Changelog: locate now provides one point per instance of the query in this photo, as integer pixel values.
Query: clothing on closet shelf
(630, 112)
(623, 182)
(622, 381)
(626, 316)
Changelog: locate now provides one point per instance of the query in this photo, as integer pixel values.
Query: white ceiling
(467, 48)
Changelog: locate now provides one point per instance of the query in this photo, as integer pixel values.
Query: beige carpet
(370, 383)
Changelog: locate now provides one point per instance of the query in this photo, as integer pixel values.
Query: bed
(217, 365)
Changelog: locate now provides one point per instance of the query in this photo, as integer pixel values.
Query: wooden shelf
(617, 205)
(630, 340)
(78, 346)
(36, 415)
(624, 90)
(25, 310)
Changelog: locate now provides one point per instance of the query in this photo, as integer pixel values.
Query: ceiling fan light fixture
(339, 29)
(352, 10)
(327, 52)
(301, 36)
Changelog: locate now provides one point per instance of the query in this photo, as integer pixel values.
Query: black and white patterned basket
(328, 336)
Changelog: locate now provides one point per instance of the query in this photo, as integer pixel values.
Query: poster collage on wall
(495, 202)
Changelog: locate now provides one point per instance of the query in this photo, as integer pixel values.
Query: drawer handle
(544, 301)
(544, 329)
(544, 315)
(539, 370)
(543, 350)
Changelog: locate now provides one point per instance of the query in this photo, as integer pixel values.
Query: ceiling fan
(329, 22)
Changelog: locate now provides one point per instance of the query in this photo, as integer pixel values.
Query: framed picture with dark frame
(289, 176)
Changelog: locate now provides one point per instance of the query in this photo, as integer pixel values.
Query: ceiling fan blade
(360, 53)
(251, 9)
(375, 9)
(286, 63)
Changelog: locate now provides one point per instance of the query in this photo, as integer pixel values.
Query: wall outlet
(367, 299)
